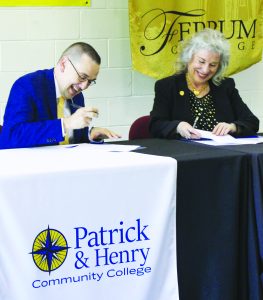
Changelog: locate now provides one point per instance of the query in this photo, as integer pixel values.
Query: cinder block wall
(33, 38)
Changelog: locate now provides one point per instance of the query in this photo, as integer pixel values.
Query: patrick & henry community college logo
(49, 250)
(99, 254)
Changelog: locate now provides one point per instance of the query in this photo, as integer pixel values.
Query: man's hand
(81, 118)
(102, 133)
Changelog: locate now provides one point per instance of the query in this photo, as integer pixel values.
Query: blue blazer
(31, 113)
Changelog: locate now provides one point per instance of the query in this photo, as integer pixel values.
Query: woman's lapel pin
(181, 93)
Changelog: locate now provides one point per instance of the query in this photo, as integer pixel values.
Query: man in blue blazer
(31, 117)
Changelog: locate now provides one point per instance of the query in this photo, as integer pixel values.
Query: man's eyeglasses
(83, 78)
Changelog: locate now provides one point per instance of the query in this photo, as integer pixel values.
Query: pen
(195, 122)
(78, 106)
(75, 105)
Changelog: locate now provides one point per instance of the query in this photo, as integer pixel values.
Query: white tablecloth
(105, 222)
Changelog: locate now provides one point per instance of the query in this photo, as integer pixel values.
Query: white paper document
(106, 147)
(216, 140)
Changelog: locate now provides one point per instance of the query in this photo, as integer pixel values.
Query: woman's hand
(224, 128)
(187, 131)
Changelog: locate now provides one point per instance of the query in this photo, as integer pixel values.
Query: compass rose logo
(49, 250)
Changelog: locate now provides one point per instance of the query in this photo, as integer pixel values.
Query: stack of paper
(216, 140)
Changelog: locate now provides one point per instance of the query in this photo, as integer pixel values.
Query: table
(216, 242)
(213, 193)
(82, 224)
(255, 224)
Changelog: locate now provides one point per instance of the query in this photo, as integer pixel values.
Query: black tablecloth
(255, 224)
(214, 192)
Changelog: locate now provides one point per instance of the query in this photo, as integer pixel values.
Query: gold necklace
(192, 88)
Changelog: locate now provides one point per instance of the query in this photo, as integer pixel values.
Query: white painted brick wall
(33, 38)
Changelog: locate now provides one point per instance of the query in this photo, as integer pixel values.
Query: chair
(140, 128)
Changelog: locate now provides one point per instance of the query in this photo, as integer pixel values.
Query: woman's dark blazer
(172, 105)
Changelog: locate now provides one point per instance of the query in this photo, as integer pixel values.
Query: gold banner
(45, 2)
(158, 27)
